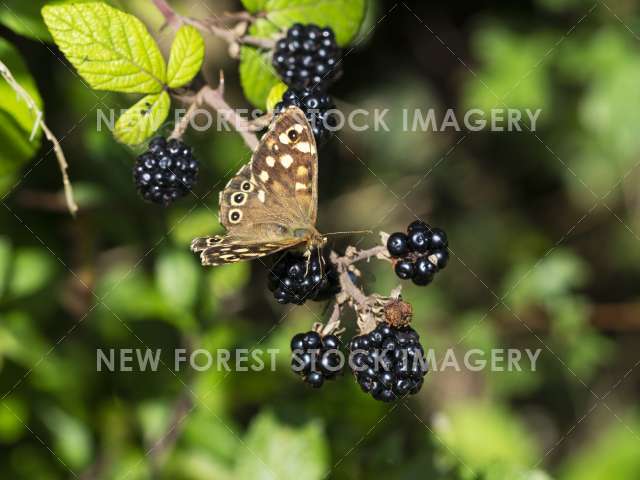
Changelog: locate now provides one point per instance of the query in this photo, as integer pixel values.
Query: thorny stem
(62, 161)
(350, 294)
(214, 98)
(214, 26)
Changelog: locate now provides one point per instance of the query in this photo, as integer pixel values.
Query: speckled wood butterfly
(271, 203)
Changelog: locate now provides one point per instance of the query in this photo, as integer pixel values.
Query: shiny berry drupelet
(398, 244)
(316, 358)
(166, 171)
(388, 362)
(317, 107)
(420, 253)
(294, 280)
(308, 57)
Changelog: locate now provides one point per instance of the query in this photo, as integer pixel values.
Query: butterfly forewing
(275, 191)
(285, 164)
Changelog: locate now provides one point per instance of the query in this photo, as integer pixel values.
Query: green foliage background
(544, 231)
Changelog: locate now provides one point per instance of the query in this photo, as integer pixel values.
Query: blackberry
(316, 358)
(308, 57)
(424, 271)
(317, 107)
(419, 241)
(166, 171)
(405, 269)
(293, 281)
(397, 244)
(438, 238)
(418, 225)
(420, 253)
(389, 362)
(440, 257)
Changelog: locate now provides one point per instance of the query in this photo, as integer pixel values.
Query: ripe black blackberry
(316, 358)
(420, 253)
(389, 362)
(166, 171)
(293, 281)
(308, 57)
(317, 107)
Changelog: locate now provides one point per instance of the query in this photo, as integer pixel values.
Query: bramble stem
(39, 122)
(214, 98)
(216, 27)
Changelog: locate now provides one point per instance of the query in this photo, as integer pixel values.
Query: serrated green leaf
(187, 55)
(275, 95)
(111, 50)
(343, 16)
(256, 75)
(143, 119)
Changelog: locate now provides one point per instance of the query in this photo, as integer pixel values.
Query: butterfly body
(271, 203)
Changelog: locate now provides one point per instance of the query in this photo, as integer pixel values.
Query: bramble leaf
(143, 119)
(254, 5)
(275, 95)
(111, 50)
(284, 451)
(187, 55)
(24, 18)
(16, 120)
(344, 16)
(257, 76)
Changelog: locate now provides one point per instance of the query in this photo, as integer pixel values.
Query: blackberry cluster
(166, 171)
(307, 57)
(389, 362)
(293, 281)
(318, 108)
(420, 253)
(316, 358)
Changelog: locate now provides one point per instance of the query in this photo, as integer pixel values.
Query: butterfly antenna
(352, 232)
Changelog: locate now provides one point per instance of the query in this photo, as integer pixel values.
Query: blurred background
(544, 229)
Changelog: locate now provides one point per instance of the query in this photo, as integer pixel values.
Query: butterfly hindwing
(223, 249)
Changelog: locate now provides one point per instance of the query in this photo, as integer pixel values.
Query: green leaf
(72, 439)
(24, 18)
(13, 418)
(177, 278)
(187, 55)
(283, 452)
(143, 119)
(32, 270)
(256, 75)
(612, 453)
(16, 120)
(254, 5)
(5, 263)
(483, 436)
(111, 50)
(344, 16)
(275, 95)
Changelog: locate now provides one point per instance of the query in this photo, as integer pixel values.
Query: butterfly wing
(223, 249)
(285, 165)
(275, 191)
